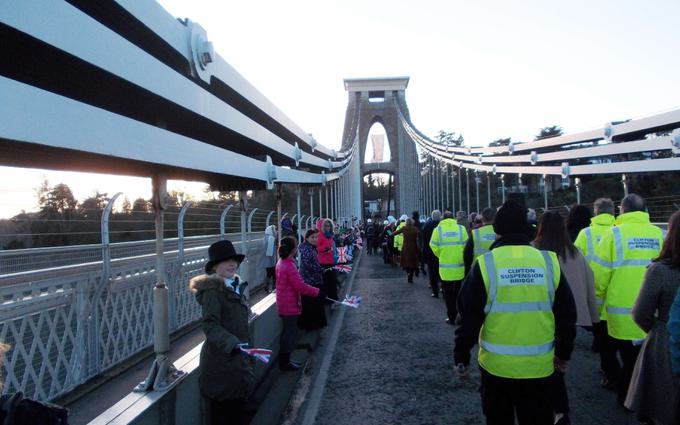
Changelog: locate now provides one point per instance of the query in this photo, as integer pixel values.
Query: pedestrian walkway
(393, 363)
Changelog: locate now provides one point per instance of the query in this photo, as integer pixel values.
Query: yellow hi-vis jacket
(448, 243)
(588, 239)
(620, 263)
(482, 238)
(518, 336)
(399, 239)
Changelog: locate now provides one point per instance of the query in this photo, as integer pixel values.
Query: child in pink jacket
(289, 288)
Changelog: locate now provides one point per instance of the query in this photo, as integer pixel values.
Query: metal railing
(70, 313)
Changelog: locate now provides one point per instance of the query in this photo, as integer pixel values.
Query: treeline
(62, 220)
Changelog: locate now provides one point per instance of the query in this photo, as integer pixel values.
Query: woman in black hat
(226, 378)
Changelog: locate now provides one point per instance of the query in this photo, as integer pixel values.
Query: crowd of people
(518, 286)
(303, 273)
(515, 284)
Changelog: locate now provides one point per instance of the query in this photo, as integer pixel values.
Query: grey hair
(436, 215)
(632, 202)
(448, 214)
(488, 214)
(603, 206)
(410, 222)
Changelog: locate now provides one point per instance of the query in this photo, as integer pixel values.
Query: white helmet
(369, 221)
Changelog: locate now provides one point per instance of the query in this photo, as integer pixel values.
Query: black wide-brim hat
(222, 251)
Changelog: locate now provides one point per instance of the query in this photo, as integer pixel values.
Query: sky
(487, 70)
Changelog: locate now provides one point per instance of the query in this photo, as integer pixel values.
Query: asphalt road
(393, 363)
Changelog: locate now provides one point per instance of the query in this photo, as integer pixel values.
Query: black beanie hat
(510, 218)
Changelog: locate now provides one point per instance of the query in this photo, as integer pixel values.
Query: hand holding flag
(261, 354)
(350, 301)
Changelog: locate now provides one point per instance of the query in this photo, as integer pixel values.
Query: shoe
(290, 367)
(433, 295)
(562, 419)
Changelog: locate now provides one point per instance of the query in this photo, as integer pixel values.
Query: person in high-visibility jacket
(586, 241)
(398, 240)
(481, 240)
(621, 259)
(447, 243)
(517, 305)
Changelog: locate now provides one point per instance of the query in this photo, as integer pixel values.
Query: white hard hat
(369, 221)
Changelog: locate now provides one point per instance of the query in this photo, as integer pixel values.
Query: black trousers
(629, 354)
(289, 334)
(451, 288)
(228, 412)
(560, 399)
(369, 246)
(503, 398)
(609, 363)
(330, 282)
(433, 275)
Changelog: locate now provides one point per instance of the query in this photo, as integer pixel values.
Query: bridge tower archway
(382, 100)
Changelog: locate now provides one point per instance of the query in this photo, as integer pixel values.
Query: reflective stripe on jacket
(447, 243)
(620, 262)
(399, 239)
(482, 239)
(587, 241)
(518, 336)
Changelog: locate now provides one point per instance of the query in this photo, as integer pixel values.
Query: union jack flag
(261, 354)
(352, 301)
(344, 255)
(359, 242)
(343, 268)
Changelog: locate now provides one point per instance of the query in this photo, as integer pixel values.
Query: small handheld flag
(261, 354)
(352, 301)
(343, 268)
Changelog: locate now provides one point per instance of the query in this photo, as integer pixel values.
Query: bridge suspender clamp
(163, 374)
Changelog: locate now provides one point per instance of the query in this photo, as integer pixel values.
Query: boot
(285, 364)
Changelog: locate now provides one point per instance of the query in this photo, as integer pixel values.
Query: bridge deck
(393, 363)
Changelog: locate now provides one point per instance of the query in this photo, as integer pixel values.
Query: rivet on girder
(608, 131)
(324, 178)
(297, 154)
(675, 141)
(271, 173)
(312, 142)
(479, 159)
(534, 157)
(566, 170)
(511, 148)
(493, 169)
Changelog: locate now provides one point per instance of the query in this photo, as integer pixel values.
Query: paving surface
(393, 363)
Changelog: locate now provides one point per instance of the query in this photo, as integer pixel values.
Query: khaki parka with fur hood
(226, 373)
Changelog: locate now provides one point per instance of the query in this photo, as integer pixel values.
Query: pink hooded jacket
(289, 287)
(324, 245)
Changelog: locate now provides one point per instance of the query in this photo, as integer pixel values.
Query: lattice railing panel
(46, 340)
(125, 314)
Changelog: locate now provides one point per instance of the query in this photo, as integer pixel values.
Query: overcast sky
(486, 69)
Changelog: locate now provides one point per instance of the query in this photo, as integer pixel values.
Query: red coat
(289, 287)
(325, 245)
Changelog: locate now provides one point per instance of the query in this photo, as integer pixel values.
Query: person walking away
(654, 393)
(288, 303)
(430, 259)
(369, 232)
(313, 314)
(482, 238)
(409, 253)
(287, 227)
(579, 218)
(447, 243)
(269, 257)
(415, 215)
(621, 259)
(398, 239)
(517, 304)
(377, 232)
(226, 377)
(552, 236)
(326, 251)
(586, 241)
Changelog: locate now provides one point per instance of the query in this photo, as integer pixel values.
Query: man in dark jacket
(369, 232)
(516, 369)
(428, 256)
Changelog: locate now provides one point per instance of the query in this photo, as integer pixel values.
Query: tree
(141, 205)
(450, 138)
(127, 206)
(548, 132)
(93, 205)
(58, 199)
(501, 142)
